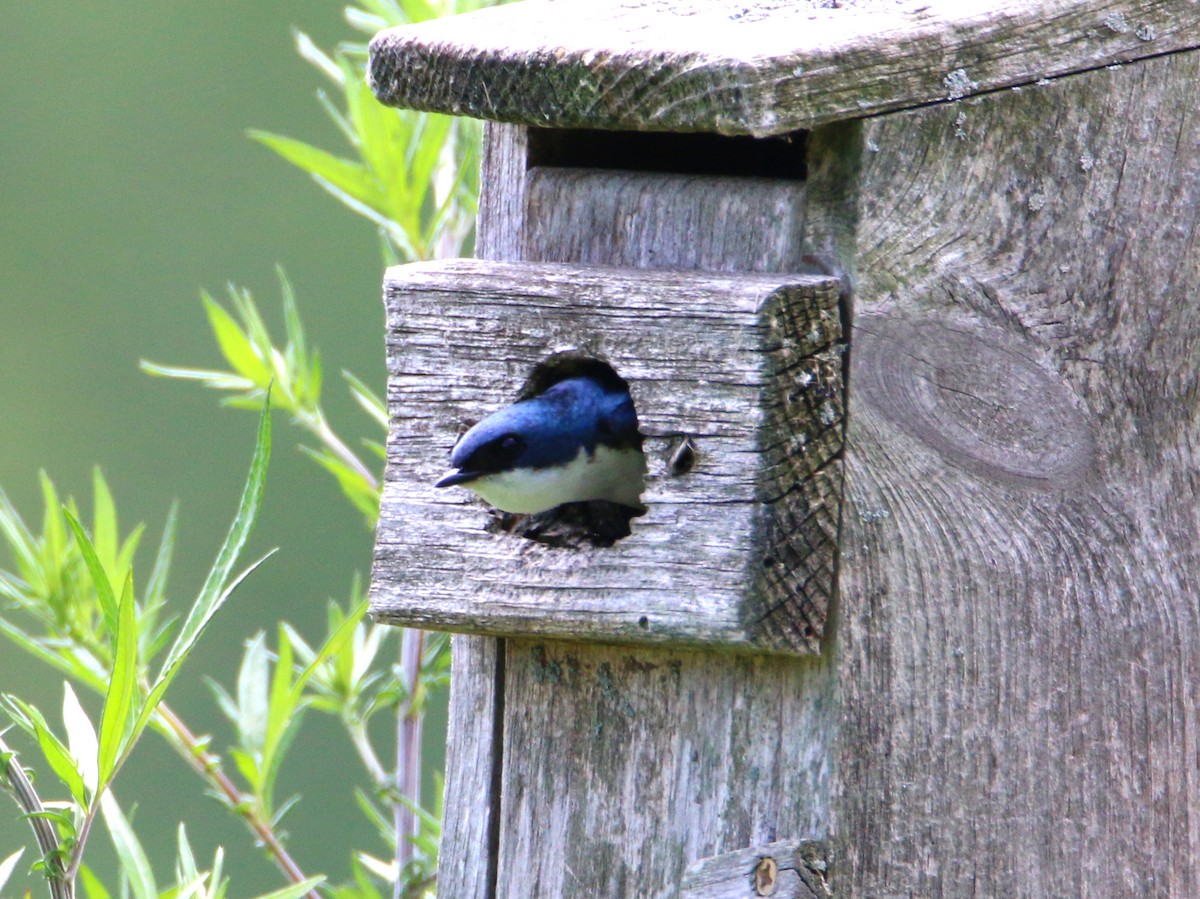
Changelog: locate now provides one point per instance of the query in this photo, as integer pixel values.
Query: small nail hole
(683, 458)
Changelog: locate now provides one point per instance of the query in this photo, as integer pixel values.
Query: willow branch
(27, 798)
(208, 766)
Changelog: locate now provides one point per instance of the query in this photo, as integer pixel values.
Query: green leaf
(7, 866)
(430, 145)
(185, 863)
(236, 345)
(295, 891)
(81, 740)
(20, 540)
(156, 588)
(120, 700)
(336, 115)
(60, 658)
(104, 590)
(217, 585)
(360, 492)
(248, 767)
(314, 55)
(394, 230)
(54, 532)
(124, 560)
(368, 399)
(186, 889)
(57, 755)
(253, 706)
(91, 883)
(335, 643)
(283, 723)
(216, 883)
(283, 701)
(104, 524)
(151, 636)
(217, 380)
(352, 178)
(154, 697)
(255, 327)
(387, 250)
(132, 857)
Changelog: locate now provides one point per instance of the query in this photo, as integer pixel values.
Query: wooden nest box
(905, 295)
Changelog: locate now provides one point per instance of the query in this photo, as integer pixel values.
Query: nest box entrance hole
(585, 402)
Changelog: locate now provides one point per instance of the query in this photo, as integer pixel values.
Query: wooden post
(1004, 699)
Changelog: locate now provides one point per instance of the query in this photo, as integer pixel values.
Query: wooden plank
(622, 766)
(784, 869)
(761, 69)
(1019, 632)
(472, 774)
(502, 189)
(746, 367)
(752, 740)
(657, 220)
(469, 852)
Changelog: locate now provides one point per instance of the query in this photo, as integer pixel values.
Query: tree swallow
(576, 441)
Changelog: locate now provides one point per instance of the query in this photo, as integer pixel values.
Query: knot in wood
(766, 877)
(976, 396)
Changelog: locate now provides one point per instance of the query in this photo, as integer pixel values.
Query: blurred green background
(126, 185)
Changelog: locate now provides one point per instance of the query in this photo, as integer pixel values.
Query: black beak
(458, 477)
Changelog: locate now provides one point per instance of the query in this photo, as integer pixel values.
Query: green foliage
(64, 579)
(414, 175)
(292, 373)
(8, 865)
(72, 599)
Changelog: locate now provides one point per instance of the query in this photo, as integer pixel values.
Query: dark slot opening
(686, 154)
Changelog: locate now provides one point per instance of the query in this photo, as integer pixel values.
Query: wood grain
(1020, 636)
(665, 221)
(784, 869)
(470, 797)
(469, 853)
(620, 767)
(765, 68)
(738, 552)
(768, 779)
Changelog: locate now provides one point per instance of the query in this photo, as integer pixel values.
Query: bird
(575, 441)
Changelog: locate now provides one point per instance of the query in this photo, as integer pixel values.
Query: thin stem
(81, 840)
(208, 766)
(61, 887)
(408, 751)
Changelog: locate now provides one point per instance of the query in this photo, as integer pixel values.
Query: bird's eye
(511, 442)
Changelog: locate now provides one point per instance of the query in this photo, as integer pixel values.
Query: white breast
(614, 475)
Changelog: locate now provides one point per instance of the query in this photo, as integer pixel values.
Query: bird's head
(577, 440)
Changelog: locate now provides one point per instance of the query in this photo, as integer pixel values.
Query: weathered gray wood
(767, 778)
(737, 552)
(784, 869)
(764, 68)
(472, 735)
(664, 221)
(621, 767)
(502, 190)
(1020, 631)
(474, 744)
(1018, 644)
